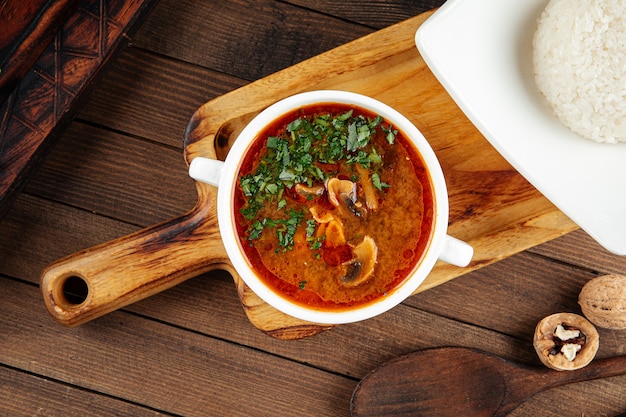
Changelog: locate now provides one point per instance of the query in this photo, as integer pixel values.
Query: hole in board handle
(75, 290)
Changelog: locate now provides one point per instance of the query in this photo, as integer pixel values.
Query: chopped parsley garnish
(378, 184)
(310, 228)
(297, 156)
(285, 228)
(314, 242)
(391, 134)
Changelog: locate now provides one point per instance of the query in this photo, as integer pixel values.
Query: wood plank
(517, 300)
(248, 39)
(150, 96)
(117, 176)
(166, 92)
(124, 356)
(399, 331)
(595, 257)
(35, 232)
(23, 394)
(600, 398)
(373, 13)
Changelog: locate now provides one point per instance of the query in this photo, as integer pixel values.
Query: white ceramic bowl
(481, 52)
(224, 176)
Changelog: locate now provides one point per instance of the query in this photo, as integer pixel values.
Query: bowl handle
(96, 281)
(456, 252)
(206, 170)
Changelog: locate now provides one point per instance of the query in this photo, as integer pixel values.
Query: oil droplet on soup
(334, 206)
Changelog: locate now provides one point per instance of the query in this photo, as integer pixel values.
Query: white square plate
(481, 52)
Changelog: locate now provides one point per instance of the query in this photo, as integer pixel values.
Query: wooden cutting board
(491, 205)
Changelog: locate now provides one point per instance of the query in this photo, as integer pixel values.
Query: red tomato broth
(401, 226)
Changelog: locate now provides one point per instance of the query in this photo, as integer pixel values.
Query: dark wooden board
(150, 96)
(28, 26)
(42, 104)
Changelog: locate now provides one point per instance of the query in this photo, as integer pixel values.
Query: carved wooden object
(38, 101)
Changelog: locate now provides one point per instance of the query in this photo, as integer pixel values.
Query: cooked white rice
(580, 65)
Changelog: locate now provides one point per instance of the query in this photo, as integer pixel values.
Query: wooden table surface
(190, 351)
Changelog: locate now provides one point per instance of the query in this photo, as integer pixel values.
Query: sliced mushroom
(371, 199)
(329, 227)
(309, 192)
(361, 267)
(320, 215)
(334, 235)
(338, 188)
(342, 193)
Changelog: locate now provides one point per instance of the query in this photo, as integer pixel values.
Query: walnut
(603, 301)
(566, 341)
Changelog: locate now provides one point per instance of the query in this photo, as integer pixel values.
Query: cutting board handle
(107, 277)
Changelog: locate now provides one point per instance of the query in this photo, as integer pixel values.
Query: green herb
(378, 183)
(301, 285)
(285, 228)
(297, 157)
(391, 134)
(314, 242)
(310, 228)
(255, 230)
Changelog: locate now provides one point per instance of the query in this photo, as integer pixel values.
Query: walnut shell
(544, 341)
(603, 301)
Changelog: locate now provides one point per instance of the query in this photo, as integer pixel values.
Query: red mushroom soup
(334, 206)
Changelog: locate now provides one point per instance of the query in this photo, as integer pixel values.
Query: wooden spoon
(460, 381)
